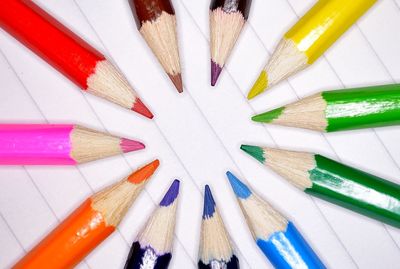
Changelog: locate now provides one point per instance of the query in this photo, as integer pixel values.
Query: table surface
(196, 135)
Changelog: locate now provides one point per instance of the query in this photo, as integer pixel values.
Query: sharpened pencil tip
(240, 189)
(128, 145)
(259, 86)
(171, 194)
(177, 80)
(140, 108)
(269, 116)
(254, 151)
(215, 72)
(144, 173)
(209, 203)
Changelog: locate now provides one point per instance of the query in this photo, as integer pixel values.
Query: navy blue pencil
(153, 247)
(215, 249)
(277, 237)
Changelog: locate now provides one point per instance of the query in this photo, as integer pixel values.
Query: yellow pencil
(308, 39)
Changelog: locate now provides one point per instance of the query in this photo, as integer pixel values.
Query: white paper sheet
(197, 134)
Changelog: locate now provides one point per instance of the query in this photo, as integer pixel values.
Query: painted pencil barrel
(231, 6)
(146, 257)
(233, 263)
(150, 10)
(40, 32)
(33, 144)
(367, 107)
(70, 242)
(288, 249)
(324, 23)
(356, 190)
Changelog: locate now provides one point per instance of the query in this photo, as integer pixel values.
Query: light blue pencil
(277, 237)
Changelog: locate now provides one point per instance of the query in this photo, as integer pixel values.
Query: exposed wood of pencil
(159, 230)
(261, 217)
(291, 165)
(89, 145)
(108, 82)
(308, 113)
(160, 35)
(225, 29)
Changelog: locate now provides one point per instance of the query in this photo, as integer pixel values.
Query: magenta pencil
(58, 144)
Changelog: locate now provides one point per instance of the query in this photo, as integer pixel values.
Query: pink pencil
(58, 144)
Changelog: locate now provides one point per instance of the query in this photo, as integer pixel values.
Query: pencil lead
(209, 204)
(128, 145)
(268, 116)
(140, 108)
(240, 189)
(259, 86)
(177, 80)
(215, 72)
(144, 173)
(171, 194)
(254, 151)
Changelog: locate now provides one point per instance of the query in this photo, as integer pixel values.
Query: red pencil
(68, 53)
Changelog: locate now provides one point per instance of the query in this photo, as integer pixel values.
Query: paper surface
(197, 134)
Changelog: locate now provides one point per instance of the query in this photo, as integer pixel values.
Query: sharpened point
(259, 86)
(215, 72)
(240, 189)
(140, 108)
(209, 204)
(254, 151)
(268, 117)
(171, 194)
(128, 145)
(177, 80)
(144, 173)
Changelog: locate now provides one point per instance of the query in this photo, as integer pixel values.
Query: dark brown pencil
(227, 18)
(156, 22)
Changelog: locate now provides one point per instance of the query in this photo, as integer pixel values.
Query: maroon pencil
(156, 22)
(227, 18)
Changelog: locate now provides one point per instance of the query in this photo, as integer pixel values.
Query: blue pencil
(277, 237)
(153, 247)
(215, 248)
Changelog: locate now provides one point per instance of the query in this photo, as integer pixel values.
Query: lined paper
(196, 135)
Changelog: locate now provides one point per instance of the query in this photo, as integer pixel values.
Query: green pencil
(340, 110)
(335, 182)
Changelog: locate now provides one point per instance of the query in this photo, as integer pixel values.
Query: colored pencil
(153, 247)
(90, 224)
(277, 237)
(227, 18)
(68, 53)
(215, 247)
(156, 22)
(340, 110)
(58, 144)
(308, 39)
(335, 182)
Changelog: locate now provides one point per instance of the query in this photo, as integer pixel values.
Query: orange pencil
(88, 225)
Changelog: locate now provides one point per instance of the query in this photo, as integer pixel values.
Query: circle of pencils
(153, 247)
(58, 144)
(89, 225)
(340, 110)
(277, 237)
(308, 39)
(227, 18)
(337, 183)
(156, 22)
(68, 53)
(215, 247)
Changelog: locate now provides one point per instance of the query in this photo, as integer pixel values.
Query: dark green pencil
(335, 182)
